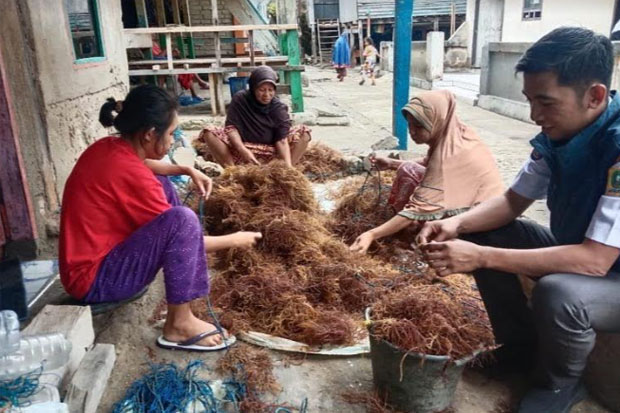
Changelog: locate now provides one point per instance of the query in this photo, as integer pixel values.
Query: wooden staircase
(328, 32)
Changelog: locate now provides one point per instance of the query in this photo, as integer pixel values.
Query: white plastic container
(46, 393)
(50, 351)
(9, 332)
(47, 407)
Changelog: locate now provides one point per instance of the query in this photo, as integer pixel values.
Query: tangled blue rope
(168, 389)
(13, 392)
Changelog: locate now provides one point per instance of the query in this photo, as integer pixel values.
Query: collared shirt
(532, 182)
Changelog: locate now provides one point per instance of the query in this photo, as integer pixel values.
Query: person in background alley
(122, 221)
(369, 56)
(575, 165)
(457, 173)
(258, 127)
(189, 81)
(341, 55)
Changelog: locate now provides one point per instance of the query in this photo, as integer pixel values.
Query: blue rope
(168, 389)
(20, 388)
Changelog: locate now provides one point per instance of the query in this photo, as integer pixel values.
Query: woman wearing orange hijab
(457, 173)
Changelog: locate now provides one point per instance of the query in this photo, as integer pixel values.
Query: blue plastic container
(237, 84)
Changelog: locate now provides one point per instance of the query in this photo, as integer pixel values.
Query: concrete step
(445, 83)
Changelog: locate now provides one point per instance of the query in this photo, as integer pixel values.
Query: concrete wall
(200, 15)
(470, 18)
(56, 101)
(419, 65)
(427, 59)
(386, 50)
(73, 93)
(596, 15)
(456, 48)
(488, 27)
(435, 52)
(500, 89)
(348, 11)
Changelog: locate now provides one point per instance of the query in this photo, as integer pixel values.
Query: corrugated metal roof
(384, 9)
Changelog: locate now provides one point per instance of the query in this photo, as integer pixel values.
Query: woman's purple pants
(173, 241)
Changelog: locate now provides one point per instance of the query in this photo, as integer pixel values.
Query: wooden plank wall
(17, 217)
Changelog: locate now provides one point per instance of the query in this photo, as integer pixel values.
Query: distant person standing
(341, 55)
(369, 61)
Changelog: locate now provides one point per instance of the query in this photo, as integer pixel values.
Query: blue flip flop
(190, 344)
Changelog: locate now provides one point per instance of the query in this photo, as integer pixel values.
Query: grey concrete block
(387, 143)
(304, 118)
(327, 113)
(90, 380)
(75, 323)
(506, 107)
(333, 121)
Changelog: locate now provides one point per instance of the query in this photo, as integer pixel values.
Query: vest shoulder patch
(613, 181)
(535, 155)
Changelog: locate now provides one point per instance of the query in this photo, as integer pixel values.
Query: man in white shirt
(574, 164)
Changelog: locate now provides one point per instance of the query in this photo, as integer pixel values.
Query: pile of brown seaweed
(440, 318)
(320, 163)
(362, 204)
(299, 282)
(302, 283)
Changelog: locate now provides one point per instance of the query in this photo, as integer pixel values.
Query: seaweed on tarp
(301, 281)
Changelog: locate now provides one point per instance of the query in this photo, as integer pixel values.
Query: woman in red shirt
(123, 223)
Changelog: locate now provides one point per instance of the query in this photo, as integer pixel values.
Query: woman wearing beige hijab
(457, 173)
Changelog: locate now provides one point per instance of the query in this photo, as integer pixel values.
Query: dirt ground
(322, 380)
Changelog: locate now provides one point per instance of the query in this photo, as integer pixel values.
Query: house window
(85, 30)
(532, 9)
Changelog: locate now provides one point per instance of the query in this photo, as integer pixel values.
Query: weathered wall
(470, 18)
(73, 93)
(200, 15)
(419, 66)
(435, 52)
(387, 56)
(488, 27)
(348, 11)
(17, 50)
(596, 15)
(500, 89)
(456, 55)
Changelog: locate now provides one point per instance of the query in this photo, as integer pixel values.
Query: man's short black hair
(578, 56)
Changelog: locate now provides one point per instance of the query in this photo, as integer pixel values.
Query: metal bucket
(413, 382)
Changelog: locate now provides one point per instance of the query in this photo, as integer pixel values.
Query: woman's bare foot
(184, 329)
